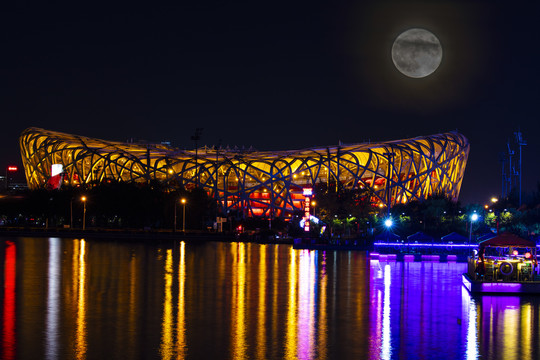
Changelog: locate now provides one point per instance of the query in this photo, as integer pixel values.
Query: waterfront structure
(503, 264)
(257, 183)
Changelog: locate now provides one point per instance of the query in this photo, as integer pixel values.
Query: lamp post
(474, 217)
(388, 223)
(174, 228)
(83, 199)
(183, 201)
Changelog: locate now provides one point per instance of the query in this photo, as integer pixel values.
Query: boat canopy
(507, 240)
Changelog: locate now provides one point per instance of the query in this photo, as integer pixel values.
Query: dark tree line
(109, 205)
(344, 213)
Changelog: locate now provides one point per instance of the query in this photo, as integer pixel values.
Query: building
(258, 183)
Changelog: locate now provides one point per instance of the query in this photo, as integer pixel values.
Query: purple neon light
(501, 287)
(426, 245)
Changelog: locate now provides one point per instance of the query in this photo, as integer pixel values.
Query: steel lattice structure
(259, 183)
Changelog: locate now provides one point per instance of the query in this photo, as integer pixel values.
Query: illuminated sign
(307, 201)
(12, 168)
(56, 169)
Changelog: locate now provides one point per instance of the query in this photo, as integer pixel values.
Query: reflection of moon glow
(416, 53)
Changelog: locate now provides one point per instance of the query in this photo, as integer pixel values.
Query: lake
(89, 299)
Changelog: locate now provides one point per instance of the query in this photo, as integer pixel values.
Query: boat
(503, 264)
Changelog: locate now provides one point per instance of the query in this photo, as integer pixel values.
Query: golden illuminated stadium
(259, 183)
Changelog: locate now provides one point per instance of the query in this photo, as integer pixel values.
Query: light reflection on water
(79, 266)
(80, 299)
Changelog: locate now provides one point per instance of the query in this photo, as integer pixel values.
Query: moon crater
(417, 53)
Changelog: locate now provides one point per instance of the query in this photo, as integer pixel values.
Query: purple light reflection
(411, 305)
(307, 304)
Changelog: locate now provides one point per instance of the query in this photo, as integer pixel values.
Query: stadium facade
(258, 183)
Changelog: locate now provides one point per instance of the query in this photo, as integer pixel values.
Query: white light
(56, 169)
(474, 217)
(388, 223)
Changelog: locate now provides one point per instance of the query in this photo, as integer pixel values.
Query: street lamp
(183, 201)
(388, 223)
(83, 199)
(474, 217)
(174, 228)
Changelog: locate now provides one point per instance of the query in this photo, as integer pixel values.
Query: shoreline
(116, 234)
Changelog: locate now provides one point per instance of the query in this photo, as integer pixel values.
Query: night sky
(275, 76)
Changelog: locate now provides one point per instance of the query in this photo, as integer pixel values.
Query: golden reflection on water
(181, 321)
(238, 313)
(80, 269)
(275, 325)
(525, 333)
(166, 325)
(173, 335)
(510, 332)
(291, 339)
(261, 314)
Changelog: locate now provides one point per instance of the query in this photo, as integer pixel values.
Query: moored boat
(505, 263)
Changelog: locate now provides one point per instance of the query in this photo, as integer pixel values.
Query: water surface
(82, 299)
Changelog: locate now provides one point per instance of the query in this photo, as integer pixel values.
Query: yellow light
(313, 203)
(485, 206)
(381, 205)
(494, 199)
(294, 176)
(83, 198)
(183, 201)
(170, 171)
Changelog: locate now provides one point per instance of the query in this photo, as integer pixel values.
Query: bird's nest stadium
(259, 183)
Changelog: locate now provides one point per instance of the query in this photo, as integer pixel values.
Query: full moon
(416, 53)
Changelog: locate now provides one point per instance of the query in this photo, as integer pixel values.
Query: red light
(527, 255)
(12, 168)
(515, 252)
